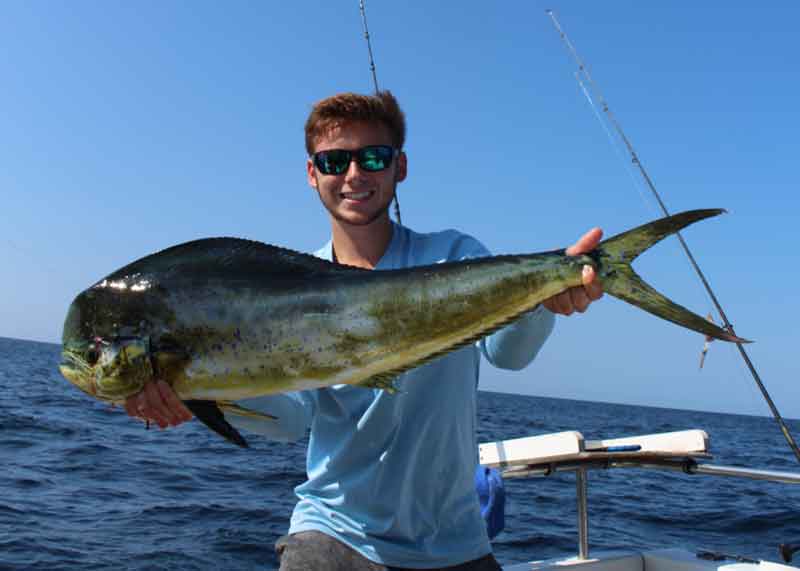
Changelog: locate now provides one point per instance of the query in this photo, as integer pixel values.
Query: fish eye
(92, 356)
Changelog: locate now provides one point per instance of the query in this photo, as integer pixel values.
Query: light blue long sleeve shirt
(391, 475)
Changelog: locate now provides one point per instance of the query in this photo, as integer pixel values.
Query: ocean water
(85, 487)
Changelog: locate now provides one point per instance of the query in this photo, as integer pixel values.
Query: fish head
(108, 369)
(107, 341)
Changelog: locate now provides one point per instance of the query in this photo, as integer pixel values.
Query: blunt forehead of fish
(134, 283)
(106, 310)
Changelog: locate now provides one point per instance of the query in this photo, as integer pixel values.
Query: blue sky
(126, 127)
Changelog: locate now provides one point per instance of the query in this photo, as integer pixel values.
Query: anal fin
(235, 409)
(383, 381)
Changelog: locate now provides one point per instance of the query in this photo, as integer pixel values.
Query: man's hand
(579, 298)
(159, 403)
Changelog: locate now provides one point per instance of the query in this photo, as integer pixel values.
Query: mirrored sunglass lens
(375, 158)
(333, 162)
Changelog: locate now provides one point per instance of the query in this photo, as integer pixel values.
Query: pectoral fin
(209, 413)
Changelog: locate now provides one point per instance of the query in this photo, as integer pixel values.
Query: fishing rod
(369, 44)
(584, 72)
(363, 11)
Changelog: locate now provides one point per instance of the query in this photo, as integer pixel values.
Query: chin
(361, 218)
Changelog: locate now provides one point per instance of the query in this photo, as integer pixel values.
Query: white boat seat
(571, 446)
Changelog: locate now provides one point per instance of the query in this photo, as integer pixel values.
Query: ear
(311, 174)
(401, 171)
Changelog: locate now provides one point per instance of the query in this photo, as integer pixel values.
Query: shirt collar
(390, 258)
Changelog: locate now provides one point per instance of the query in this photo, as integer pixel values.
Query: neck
(361, 246)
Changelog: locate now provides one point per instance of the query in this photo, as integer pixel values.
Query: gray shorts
(316, 551)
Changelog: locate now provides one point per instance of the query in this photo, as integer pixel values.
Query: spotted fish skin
(223, 319)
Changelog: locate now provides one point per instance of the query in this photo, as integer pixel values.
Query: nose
(353, 171)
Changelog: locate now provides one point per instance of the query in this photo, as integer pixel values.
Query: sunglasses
(373, 158)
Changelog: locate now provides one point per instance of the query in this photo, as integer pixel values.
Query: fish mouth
(77, 371)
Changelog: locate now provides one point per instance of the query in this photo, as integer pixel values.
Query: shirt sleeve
(516, 345)
(292, 412)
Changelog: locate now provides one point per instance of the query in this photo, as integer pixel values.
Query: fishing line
(614, 144)
(617, 149)
(584, 72)
(363, 11)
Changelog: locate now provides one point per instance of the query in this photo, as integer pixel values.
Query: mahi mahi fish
(224, 319)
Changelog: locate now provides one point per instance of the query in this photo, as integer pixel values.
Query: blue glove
(492, 496)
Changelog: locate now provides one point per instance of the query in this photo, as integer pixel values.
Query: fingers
(592, 287)
(172, 401)
(557, 305)
(580, 301)
(152, 406)
(577, 298)
(159, 403)
(130, 406)
(585, 243)
(569, 301)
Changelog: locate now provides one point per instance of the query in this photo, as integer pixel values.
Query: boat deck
(658, 560)
(546, 454)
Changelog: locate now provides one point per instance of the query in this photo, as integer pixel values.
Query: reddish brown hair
(348, 107)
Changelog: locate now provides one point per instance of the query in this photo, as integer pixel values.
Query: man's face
(356, 196)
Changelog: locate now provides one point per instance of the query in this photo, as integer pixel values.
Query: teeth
(357, 195)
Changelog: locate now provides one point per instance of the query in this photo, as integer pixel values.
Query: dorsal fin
(232, 257)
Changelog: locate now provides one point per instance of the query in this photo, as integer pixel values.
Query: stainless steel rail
(686, 465)
(582, 490)
(769, 475)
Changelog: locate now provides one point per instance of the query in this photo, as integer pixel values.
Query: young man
(390, 476)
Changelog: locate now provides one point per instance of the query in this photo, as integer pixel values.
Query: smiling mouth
(357, 196)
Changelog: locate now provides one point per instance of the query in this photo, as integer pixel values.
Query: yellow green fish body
(224, 319)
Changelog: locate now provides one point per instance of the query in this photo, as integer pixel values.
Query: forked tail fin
(614, 258)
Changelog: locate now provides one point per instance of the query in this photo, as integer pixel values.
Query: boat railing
(548, 454)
